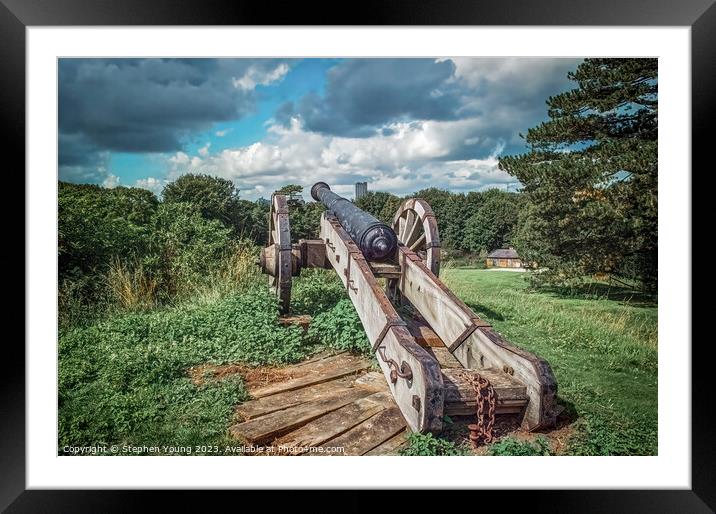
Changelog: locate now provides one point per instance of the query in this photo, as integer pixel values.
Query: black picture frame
(16, 15)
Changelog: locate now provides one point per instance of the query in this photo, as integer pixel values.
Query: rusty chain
(481, 432)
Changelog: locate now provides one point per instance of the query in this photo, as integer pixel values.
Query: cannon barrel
(375, 239)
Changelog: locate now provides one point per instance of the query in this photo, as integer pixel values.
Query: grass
(602, 346)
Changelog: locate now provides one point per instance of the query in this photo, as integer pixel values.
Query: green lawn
(602, 349)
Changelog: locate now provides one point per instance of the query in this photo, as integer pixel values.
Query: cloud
(363, 94)
(155, 185)
(504, 96)
(111, 181)
(150, 105)
(257, 75)
(413, 155)
(204, 150)
(222, 133)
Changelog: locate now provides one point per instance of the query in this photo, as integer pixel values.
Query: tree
(491, 224)
(290, 189)
(380, 204)
(216, 198)
(590, 175)
(305, 220)
(96, 224)
(185, 246)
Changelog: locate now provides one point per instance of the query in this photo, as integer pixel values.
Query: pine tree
(590, 176)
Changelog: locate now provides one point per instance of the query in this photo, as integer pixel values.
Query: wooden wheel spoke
(419, 242)
(415, 227)
(413, 234)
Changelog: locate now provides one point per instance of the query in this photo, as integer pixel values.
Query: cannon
(375, 239)
(438, 356)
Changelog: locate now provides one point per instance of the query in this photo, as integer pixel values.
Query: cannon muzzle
(375, 239)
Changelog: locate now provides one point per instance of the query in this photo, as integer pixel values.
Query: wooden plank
(444, 358)
(385, 269)
(335, 423)
(269, 427)
(423, 334)
(471, 410)
(325, 354)
(458, 389)
(268, 404)
(510, 396)
(322, 370)
(371, 433)
(391, 446)
(373, 381)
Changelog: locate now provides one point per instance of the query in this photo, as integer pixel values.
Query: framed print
(460, 233)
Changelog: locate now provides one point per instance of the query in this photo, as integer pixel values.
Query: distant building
(361, 189)
(504, 258)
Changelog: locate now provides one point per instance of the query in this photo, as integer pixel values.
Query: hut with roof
(504, 258)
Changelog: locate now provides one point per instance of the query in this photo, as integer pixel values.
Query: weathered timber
(373, 381)
(420, 398)
(384, 269)
(320, 371)
(423, 334)
(302, 320)
(366, 436)
(473, 342)
(391, 446)
(444, 357)
(267, 428)
(268, 404)
(335, 423)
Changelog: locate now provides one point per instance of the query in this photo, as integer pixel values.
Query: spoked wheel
(276, 258)
(416, 227)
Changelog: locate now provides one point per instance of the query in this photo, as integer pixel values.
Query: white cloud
(255, 76)
(222, 133)
(413, 156)
(153, 184)
(110, 181)
(204, 150)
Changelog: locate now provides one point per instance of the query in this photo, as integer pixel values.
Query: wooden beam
(474, 343)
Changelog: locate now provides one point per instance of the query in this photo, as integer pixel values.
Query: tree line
(588, 203)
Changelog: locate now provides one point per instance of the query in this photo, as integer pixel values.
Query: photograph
(358, 256)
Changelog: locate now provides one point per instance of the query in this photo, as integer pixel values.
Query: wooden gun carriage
(426, 340)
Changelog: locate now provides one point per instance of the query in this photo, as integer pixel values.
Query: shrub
(95, 224)
(429, 445)
(316, 291)
(340, 328)
(186, 249)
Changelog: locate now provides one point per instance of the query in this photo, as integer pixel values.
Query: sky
(399, 124)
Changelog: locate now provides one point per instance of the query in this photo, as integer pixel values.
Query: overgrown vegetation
(511, 446)
(340, 328)
(124, 380)
(429, 445)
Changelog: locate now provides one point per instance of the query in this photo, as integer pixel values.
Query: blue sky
(400, 124)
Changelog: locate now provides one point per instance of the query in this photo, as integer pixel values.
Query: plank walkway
(336, 405)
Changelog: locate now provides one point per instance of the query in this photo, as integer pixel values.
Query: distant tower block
(361, 189)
